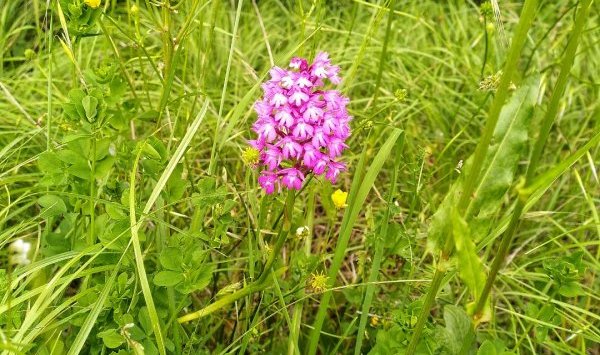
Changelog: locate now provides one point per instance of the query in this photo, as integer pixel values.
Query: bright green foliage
(509, 146)
(470, 267)
(123, 175)
(495, 347)
(187, 272)
(52, 206)
(566, 272)
(500, 167)
(80, 17)
(458, 333)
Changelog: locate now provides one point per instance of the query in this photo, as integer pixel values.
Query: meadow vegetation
(133, 219)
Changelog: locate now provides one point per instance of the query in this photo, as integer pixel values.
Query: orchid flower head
(301, 125)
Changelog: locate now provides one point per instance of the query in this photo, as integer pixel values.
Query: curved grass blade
(139, 261)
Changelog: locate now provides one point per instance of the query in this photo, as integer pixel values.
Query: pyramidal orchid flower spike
(302, 127)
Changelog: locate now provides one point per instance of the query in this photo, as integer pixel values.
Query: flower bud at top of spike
(486, 10)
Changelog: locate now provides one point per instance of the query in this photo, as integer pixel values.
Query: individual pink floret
(268, 181)
(292, 178)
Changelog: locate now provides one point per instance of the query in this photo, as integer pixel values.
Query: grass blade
(139, 261)
(346, 228)
(378, 256)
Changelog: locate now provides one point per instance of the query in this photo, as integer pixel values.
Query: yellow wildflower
(94, 4)
(339, 198)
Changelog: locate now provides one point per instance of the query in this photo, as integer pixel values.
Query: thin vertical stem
(213, 154)
(527, 15)
(486, 37)
(283, 233)
(92, 202)
(49, 82)
(383, 57)
(362, 183)
(298, 307)
(378, 256)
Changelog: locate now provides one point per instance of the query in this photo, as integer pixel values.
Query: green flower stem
(260, 283)
(436, 283)
(547, 121)
(92, 237)
(486, 38)
(282, 236)
(300, 295)
(383, 56)
(510, 67)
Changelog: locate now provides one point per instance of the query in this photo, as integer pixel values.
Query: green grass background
(435, 51)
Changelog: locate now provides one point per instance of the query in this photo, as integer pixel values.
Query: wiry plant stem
(384, 49)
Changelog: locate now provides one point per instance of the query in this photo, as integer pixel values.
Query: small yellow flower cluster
(250, 156)
(490, 83)
(401, 95)
(267, 250)
(374, 321)
(318, 282)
